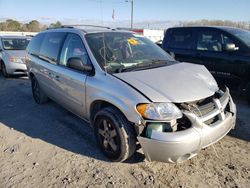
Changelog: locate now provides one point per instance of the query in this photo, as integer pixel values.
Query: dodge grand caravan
(131, 91)
(225, 52)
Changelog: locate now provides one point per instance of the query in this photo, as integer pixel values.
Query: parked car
(130, 90)
(12, 55)
(225, 52)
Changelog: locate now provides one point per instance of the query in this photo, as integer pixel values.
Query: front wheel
(114, 134)
(38, 95)
(4, 71)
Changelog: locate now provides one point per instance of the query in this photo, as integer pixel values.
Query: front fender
(112, 90)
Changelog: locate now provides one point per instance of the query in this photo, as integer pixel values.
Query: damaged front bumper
(179, 146)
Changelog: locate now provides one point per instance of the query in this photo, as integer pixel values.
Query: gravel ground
(47, 146)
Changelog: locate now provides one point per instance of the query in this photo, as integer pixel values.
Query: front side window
(241, 34)
(73, 47)
(209, 41)
(121, 51)
(51, 45)
(35, 44)
(15, 43)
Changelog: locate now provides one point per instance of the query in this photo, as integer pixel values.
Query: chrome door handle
(51, 75)
(57, 78)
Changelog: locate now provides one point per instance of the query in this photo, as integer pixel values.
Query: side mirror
(230, 47)
(77, 64)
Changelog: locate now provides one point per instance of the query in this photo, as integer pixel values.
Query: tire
(114, 134)
(248, 92)
(4, 71)
(38, 95)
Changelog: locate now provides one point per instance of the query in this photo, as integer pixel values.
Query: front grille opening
(212, 120)
(19, 70)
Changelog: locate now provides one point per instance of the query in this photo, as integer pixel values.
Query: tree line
(36, 26)
(204, 22)
(32, 26)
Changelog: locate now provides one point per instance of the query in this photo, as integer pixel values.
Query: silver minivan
(131, 91)
(12, 55)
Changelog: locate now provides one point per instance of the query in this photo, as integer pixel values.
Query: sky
(144, 10)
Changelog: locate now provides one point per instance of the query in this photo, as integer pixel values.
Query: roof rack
(84, 25)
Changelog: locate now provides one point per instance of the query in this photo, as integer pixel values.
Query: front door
(70, 82)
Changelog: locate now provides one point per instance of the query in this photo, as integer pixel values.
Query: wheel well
(1, 61)
(31, 75)
(98, 105)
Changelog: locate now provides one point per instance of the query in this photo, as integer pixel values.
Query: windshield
(15, 43)
(120, 52)
(243, 35)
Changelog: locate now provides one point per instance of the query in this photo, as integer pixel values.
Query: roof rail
(79, 25)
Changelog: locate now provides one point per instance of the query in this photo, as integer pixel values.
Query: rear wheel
(38, 95)
(4, 71)
(114, 134)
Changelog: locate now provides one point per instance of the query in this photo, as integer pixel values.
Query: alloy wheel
(108, 136)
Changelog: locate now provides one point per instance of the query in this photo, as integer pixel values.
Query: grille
(211, 109)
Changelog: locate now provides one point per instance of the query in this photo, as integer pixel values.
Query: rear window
(181, 39)
(35, 44)
(51, 45)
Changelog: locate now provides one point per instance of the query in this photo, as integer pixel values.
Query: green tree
(13, 25)
(55, 25)
(33, 26)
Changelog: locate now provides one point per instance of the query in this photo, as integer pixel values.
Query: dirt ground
(47, 146)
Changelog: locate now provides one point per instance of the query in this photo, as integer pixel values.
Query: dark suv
(225, 51)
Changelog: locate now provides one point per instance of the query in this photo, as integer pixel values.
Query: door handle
(50, 75)
(57, 78)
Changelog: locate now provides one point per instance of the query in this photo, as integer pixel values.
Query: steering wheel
(107, 53)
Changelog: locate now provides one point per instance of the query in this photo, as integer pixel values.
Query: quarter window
(51, 45)
(73, 47)
(181, 39)
(209, 41)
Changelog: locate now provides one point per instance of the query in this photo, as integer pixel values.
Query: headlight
(15, 60)
(159, 111)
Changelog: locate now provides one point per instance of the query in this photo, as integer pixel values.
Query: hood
(16, 53)
(181, 82)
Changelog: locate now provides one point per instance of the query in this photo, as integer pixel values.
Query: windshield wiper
(154, 63)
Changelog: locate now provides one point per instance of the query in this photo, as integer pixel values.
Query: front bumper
(16, 68)
(175, 147)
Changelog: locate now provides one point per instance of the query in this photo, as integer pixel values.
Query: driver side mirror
(77, 64)
(230, 47)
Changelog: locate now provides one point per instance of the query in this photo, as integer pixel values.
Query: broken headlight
(159, 111)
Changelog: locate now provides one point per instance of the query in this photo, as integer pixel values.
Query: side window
(227, 40)
(181, 39)
(51, 45)
(73, 47)
(35, 44)
(209, 41)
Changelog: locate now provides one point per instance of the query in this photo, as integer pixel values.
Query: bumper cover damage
(179, 146)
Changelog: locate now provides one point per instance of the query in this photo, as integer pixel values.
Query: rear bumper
(174, 147)
(16, 68)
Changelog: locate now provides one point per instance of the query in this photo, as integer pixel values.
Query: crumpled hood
(181, 82)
